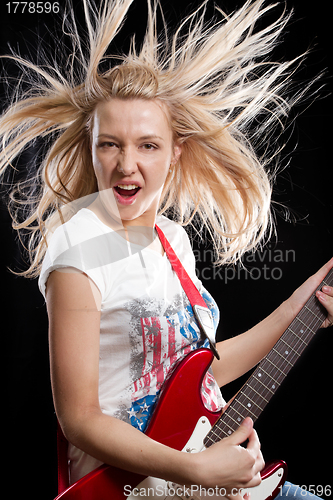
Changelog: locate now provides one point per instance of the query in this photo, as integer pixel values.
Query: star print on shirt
(131, 413)
(145, 407)
(141, 410)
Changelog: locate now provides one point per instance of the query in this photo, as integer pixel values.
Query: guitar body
(180, 421)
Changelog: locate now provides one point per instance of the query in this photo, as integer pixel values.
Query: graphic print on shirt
(163, 339)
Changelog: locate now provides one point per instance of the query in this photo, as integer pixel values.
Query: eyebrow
(142, 138)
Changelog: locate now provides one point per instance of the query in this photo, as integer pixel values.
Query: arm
(74, 320)
(240, 354)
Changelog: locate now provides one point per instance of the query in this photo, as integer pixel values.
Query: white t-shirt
(147, 322)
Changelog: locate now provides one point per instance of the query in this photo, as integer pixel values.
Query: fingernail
(321, 296)
(247, 422)
(327, 289)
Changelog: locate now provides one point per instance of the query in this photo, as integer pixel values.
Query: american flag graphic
(165, 340)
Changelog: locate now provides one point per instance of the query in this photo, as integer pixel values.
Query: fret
(236, 422)
(260, 395)
(252, 402)
(272, 377)
(284, 374)
(289, 346)
(291, 354)
(315, 315)
(208, 441)
(240, 415)
(292, 331)
(212, 431)
(230, 428)
(247, 407)
(283, 357)
(239, 418)
(266, 373)
(253, 394)
(224, 431)
(241, 408)
(226, 428)
(230, 431)
(299, 319)
(272, 370)
(236, 411)
(272, 392)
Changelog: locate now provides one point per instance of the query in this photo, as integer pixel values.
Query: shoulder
(180, 242)
(175, 233)
(74, 244)
(68, 240)
(82, 226)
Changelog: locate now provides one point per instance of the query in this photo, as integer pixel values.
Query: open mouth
(129, 190)
(126, 193)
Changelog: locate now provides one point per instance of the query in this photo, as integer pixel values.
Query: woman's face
(132, 152)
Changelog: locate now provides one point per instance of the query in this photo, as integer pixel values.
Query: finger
(254, 448)
(253, 439)
(325, 297)
(254, 445)
(328, 290)
(255, 481)
(259, 465)
(243, 432)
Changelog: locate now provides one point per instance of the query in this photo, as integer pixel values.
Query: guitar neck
(256, 393)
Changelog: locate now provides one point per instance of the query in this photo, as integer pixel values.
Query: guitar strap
(201, 311)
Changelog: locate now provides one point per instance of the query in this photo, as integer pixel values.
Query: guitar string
(309, 317)
(311, 322)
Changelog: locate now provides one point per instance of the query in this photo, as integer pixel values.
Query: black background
(297, 424)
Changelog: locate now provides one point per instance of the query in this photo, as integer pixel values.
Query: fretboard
(256, 393)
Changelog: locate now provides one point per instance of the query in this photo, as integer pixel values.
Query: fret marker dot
(302, 331)
(239, 419)
(259, 374)
(229, 432)
(249, 405)
(286, 352)
(273, 386)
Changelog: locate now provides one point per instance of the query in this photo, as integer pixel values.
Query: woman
(165, 131)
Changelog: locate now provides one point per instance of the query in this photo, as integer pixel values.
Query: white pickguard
(152, 487)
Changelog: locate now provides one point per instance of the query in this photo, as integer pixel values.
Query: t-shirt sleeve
(65, 251)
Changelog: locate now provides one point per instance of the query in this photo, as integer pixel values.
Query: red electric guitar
(182, 422)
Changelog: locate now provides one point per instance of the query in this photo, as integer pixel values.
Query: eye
(107, 144)
(149, 146)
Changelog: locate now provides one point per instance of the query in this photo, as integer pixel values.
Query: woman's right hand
(228, 465)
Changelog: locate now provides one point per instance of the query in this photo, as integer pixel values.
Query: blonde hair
(223, 95)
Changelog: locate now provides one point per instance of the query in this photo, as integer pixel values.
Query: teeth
(127, 186)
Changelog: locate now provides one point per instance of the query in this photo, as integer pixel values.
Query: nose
(127, 164)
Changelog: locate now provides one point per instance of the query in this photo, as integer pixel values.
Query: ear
(177, 151)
